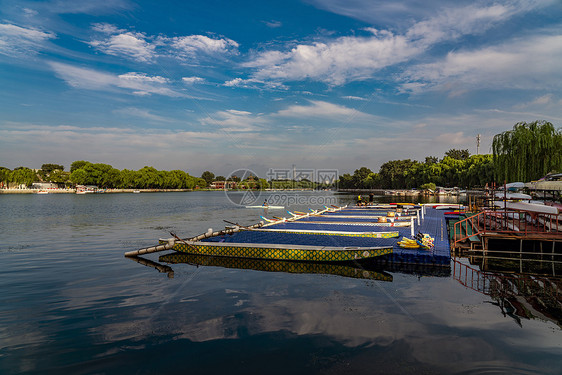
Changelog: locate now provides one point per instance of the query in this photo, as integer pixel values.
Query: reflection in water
(149, 263)
(517, 295)
(354, 270)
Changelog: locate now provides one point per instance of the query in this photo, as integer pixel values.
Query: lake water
(70, 303)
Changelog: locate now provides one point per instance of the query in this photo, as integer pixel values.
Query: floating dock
(341, 234)
(286, 232)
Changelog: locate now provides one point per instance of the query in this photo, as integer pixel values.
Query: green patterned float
(280, 251)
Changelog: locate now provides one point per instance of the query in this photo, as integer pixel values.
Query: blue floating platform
(434, 224)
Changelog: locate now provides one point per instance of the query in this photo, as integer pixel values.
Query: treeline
(102, 175)
(105, 176)
(527, 152)
(457, 168)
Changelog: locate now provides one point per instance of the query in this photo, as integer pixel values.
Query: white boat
(519, 196)
(136, 191)
(531, 207)
(42, 192)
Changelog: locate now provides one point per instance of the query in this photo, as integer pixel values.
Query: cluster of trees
(525, 153)
(105, 176)
(27, 176)
(457, 168)
(528, 151)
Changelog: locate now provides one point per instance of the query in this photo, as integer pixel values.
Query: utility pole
(477, 144)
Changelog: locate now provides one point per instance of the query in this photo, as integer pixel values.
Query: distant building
(223, 185)
(44, 185)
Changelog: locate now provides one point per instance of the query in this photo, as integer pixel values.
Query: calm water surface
(70, 303)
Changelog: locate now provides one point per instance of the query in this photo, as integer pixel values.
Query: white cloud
(107, 28)
(344, 59)
(531, 63)
(145, 48)
(16, 40)
(321, 109)
(235, 121)
(129, 44)
(452, 23)
(133, 147)
(273, 24)
(192, 45)
(141, 113)
(399, 14)
(543, 100)
(138, 83)
(455, 139)
(29, 12)
(351, 97)
(192, 80)
(335, 62)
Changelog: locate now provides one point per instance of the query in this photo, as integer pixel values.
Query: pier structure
(509, 235)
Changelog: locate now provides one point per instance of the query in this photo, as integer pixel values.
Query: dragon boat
(276, 251)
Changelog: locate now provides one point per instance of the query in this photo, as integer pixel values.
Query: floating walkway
(340, 234)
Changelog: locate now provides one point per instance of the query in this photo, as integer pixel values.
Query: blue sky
(222, 85)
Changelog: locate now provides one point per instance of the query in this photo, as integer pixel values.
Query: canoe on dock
(332, 232)
(529, 207)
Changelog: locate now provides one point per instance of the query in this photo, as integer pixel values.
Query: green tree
(200, 183)
(149, 178)
(59, 177)
(79, 177)
(77, 165)
(429, 185)
(527, 152)
(457, 154)
(345, 181)
(208, 177)
(372, 181)
(393, 173)
(431, 160)
(359, 176)
(23, 176)
(48, 168)
(5, 174)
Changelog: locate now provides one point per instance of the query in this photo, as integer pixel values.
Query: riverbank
(73, 191)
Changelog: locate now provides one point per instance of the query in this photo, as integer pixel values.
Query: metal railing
(508, 222)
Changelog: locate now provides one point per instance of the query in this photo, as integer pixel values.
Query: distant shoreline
(73, 191)
(131, 191)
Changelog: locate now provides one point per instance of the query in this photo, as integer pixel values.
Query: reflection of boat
(346, 270)
(149, 263)
(275, 251)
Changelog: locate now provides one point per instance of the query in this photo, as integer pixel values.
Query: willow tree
(528, 152)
